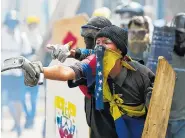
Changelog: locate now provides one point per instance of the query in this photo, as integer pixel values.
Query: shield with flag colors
(66, 105)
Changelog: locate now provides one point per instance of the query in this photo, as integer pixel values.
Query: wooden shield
(160, 103)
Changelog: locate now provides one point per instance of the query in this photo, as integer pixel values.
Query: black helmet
(94, 25)
(179, 22)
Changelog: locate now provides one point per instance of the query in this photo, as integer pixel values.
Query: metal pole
(160, 9)
(17, 6)
(46, 11)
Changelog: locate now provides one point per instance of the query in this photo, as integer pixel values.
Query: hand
(60, 52)
(30, 79)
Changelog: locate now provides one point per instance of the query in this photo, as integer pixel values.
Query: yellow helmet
(104, 11)
(32, 19)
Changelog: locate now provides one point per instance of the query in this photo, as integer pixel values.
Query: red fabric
(92, 63)
(84, 90)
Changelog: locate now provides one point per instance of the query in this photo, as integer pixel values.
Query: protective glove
(30, 80)
(60, 52)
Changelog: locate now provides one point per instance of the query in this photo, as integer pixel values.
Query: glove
(33, 80)
(60, 52)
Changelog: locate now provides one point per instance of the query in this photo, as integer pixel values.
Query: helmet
(11, 19)
(89, 30)
(32, 19)
(127, 11)
(133, 8)
(179, 22)
(104, 11)
(94, 25)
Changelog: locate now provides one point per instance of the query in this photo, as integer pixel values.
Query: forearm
(59, 72)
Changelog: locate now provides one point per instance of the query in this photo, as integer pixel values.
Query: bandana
(106, 59)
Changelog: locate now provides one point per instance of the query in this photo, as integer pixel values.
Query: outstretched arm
(59, 72)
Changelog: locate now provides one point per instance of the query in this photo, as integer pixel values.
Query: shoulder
(142, 69)
(86, 65)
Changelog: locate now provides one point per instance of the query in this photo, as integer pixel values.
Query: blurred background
(26, 28)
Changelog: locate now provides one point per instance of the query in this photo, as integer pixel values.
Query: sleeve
(148, 84)
(81, 69)
(77, 67)
(82, 53)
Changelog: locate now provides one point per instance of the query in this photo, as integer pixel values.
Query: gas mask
(89, 41)
(89, 32)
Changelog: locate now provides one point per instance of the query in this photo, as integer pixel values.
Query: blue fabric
(99, 78)
(121, 128)
(86, 51)
(128, 127)
(87, 70)
(176, 129)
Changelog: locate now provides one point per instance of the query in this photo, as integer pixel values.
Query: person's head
(11, 21)
(92, 27)
(138, 34)
(179, 23)
(126, 11)
(113, 41)
(32, 22)
(113, 37)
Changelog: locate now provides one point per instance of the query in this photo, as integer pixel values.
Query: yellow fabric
(126, 65)
(32, 19)
(109, 60)
(116, 103)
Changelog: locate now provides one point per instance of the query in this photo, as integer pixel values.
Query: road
(36, 131)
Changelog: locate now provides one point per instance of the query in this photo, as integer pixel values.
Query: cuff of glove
(38, 66)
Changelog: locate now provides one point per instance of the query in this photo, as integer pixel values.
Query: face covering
(105, 61)
(179, 46)
(89, 41)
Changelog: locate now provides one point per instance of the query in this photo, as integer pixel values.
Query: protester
(115, 79)
(176, 125)
(88, 32)
(34, 38)
(138, 38)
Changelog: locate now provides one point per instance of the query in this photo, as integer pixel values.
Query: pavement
(35, 132)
